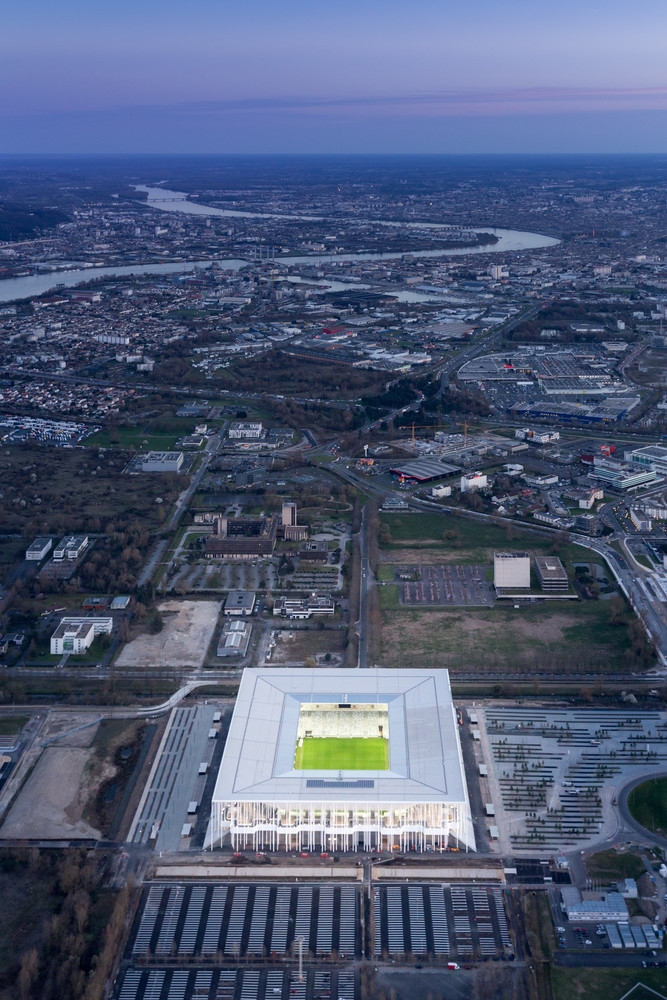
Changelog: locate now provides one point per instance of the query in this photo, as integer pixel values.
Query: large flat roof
(424, 469)
(425, 763)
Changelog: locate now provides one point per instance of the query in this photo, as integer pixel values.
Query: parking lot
(247, 920)
(237, 984)
(451, 922)
(437, 586)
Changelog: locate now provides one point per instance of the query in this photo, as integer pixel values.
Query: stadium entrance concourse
(342, 760)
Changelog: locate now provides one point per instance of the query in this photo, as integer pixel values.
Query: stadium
(342, 760)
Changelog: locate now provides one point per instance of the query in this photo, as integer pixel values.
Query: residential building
(473, 481)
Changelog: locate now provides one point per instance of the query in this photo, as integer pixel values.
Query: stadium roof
(425, 763)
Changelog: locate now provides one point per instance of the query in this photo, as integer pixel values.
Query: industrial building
(38, 549)
(511, 571)
(422, 470)
(265, 797)
(551, 574)
(234, 639)
(239, 602)
(241, 538)
(162, 461)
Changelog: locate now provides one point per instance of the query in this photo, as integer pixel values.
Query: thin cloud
(530, 100)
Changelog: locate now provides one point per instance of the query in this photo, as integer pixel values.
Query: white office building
(511, 571)
(245, 431)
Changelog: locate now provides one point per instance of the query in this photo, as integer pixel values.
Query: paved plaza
(554, 774)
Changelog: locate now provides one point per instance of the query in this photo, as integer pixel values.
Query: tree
(616, 609)
(28, 972)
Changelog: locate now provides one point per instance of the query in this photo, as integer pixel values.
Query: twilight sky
(348, 76)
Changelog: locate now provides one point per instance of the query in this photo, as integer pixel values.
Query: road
(183, 501)
(629, 582)
(366, 580)
(157, 552)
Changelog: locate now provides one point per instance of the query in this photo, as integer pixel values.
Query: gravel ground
(184, 640)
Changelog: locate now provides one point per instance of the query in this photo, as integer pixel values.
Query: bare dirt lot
(183, 641)
(51, 803)
(435, 555)
(298, 645)
(492, 639)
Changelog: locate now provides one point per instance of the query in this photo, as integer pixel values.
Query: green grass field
(332, 754)
(648, 805)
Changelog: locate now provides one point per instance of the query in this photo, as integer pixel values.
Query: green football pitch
(332, 754)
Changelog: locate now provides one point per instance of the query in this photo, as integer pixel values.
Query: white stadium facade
(266, 797)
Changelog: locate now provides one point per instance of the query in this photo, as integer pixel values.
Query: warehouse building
(292, 776)
(235, 639)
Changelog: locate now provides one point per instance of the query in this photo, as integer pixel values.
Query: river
(28, 286)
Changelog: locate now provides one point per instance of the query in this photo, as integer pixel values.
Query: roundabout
(635, 805)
